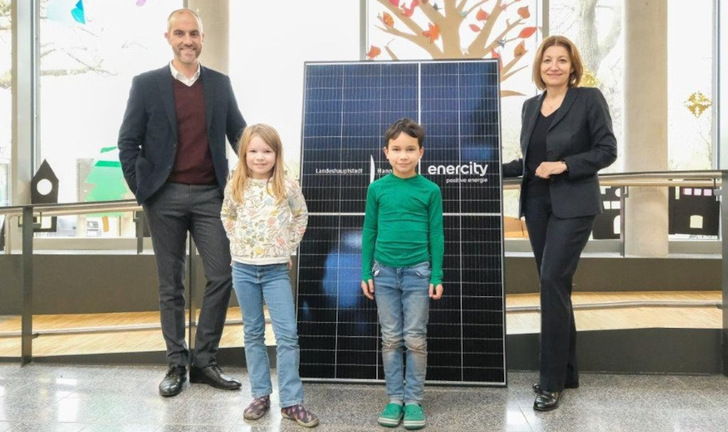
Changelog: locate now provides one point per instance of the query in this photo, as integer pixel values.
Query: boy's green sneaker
(391, 415)
(414, 417)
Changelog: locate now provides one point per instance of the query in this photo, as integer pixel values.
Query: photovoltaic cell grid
(347, 109)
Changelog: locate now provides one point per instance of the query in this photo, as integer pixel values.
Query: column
(215, 15)
(24, 97)
(646, 209)
(721, 54)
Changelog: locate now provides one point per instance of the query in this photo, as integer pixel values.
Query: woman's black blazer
(580, 135)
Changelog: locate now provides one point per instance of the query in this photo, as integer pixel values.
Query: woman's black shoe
(546, 401)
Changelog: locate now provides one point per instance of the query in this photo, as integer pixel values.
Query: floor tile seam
(173, 422)
(524, 414)
(15, 425)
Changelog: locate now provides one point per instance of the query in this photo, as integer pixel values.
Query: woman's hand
(547, 169)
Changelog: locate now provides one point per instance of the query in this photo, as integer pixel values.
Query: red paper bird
(408, 12)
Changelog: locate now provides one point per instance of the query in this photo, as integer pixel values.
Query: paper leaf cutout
(374, 51)
(520, 49)
(433, 33)
(527, 32)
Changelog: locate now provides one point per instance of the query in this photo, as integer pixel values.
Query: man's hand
(368, 289)
(436, 291)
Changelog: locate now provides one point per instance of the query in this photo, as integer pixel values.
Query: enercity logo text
(468, 169)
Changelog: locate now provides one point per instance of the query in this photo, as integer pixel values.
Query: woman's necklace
(551, 105)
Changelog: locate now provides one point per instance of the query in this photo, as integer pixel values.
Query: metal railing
(51, 210)
(29, 212)
(711, 179)
(696, 179)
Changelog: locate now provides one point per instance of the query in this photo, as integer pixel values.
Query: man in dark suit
(172, 152)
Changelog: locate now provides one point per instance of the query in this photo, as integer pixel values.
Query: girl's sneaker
(301, 415)
(391, 415)
(257, 408)
(414, 416)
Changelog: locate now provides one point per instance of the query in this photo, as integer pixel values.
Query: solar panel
(347, 108)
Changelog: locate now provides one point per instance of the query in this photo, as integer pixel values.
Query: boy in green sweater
(402, 249)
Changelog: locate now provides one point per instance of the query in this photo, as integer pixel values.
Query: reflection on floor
(44, 397)
(99, 333)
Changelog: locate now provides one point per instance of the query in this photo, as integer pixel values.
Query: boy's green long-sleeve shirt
(403, 225)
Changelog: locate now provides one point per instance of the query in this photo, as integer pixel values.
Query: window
(507, 31)
(691, 96)
(596, 27)
(89, 55)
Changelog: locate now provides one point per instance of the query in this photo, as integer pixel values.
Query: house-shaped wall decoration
(44, 190)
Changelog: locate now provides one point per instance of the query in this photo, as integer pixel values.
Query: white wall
(269, 43)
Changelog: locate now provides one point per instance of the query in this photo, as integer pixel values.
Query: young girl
(265, 216)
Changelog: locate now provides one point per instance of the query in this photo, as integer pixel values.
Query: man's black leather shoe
(213, 375)
(172, 383)
(547, 401)
(537, 388)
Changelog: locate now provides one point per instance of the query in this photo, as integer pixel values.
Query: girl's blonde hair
(276, 182)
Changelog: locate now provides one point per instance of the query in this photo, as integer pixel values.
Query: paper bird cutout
(78, 14)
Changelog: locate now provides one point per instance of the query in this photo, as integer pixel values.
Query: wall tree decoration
(455, 29)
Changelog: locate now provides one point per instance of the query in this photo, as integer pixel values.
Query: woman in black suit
(566, 138)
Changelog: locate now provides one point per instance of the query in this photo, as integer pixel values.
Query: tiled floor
(61, 398)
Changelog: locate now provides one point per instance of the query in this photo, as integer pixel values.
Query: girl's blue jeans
(253, 285)
(403, 304)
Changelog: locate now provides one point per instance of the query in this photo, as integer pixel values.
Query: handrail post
(623, 194)
(26, 313)
(139, 219)
(10, 232)
(724, 265)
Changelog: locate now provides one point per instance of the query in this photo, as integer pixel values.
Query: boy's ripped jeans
(403, 306)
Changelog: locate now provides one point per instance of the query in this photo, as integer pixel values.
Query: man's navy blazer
(580, 135)
(148, 134)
